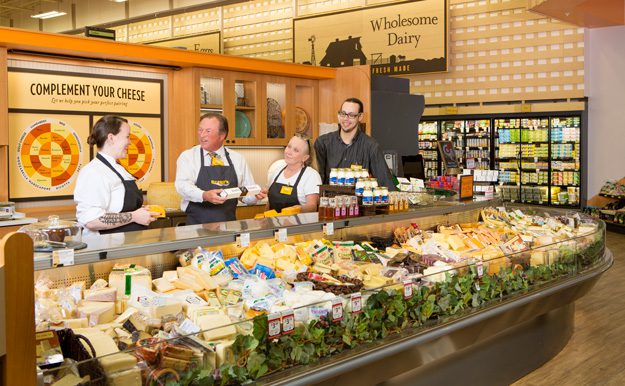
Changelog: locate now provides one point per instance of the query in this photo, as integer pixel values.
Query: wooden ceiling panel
(584, 13)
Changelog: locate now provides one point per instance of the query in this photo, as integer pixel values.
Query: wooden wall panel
(16, 256)
(349, 82)
(4, 92)
(184, 119)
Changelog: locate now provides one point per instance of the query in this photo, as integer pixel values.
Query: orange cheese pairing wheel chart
(48, 154)
(140, 157)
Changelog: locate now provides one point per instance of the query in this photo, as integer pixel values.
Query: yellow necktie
(215, 159)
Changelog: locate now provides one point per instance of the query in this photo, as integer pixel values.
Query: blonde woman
(295, 184)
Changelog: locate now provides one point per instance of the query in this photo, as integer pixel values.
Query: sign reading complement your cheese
(394, 39)
(47, 91)
(50, 117)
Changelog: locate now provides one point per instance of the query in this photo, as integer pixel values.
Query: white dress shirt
(188, 167)
(99, 190)
(308, 184)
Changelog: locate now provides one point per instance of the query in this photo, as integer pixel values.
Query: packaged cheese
(97, 312)
(126, 276)
(153, 305)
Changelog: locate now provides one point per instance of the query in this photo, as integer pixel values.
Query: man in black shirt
(351, 146)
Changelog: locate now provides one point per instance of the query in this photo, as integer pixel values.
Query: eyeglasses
(343, 114)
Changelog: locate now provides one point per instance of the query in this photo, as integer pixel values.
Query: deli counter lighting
(48, 15)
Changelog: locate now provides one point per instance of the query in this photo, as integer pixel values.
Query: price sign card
(407, 289)
(274, 322)
(243, 240)
(288, 321)
(356, 303)
(337, 309)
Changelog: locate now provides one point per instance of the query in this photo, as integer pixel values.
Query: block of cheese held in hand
(216, 326)
(97, 312)
(126, 276)
(153, 305)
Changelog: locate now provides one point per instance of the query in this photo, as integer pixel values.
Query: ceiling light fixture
(48, 15)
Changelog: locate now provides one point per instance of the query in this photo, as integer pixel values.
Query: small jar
(341, 177)
(331, 208)
(356, 207)
(367, 197)
(360, 187)
(349, 177)
(377, 196)
(374, 183)
(334, 176)
(384, 198)
(337, 208)
(323, 207)
(345, 202)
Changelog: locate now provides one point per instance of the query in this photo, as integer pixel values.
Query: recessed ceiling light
(48, 15)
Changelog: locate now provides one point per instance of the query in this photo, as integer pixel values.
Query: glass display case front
(225, 313)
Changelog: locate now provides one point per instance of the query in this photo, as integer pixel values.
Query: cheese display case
(322, 304)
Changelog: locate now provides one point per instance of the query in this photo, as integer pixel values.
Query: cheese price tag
(243, 240)
(328, 229)
(407, 289)
(356, 302)
(63, 257)
(288, 321)
(274, 325)
(281, 235)
(479, 268)
(337, 309)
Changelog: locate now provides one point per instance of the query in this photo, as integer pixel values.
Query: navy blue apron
(281, 195)
(133, 200)
(208, 178)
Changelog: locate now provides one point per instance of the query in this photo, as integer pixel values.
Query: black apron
(213, 177)
(281, 195)
(133, 200)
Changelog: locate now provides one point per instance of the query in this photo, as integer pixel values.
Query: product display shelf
(427, 137)
(477, 334)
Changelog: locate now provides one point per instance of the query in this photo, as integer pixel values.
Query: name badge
(220, 182)
(287, 190)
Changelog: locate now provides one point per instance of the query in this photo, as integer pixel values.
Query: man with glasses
(350, 146)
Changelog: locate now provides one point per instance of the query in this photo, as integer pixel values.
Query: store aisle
(595, 355)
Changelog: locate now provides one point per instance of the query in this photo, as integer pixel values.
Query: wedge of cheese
(108, 294)
(163, 285)
(217, 326)
(97, 312)
(118, 362)
(130, 377)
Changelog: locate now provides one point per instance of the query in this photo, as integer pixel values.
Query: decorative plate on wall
(302, 122)
(242, 125)
(275, 126)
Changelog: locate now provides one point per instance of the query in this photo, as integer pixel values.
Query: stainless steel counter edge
(350, 363)
(151, 241)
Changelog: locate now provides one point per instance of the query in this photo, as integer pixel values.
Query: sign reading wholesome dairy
(51, 114)
(399, 38)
